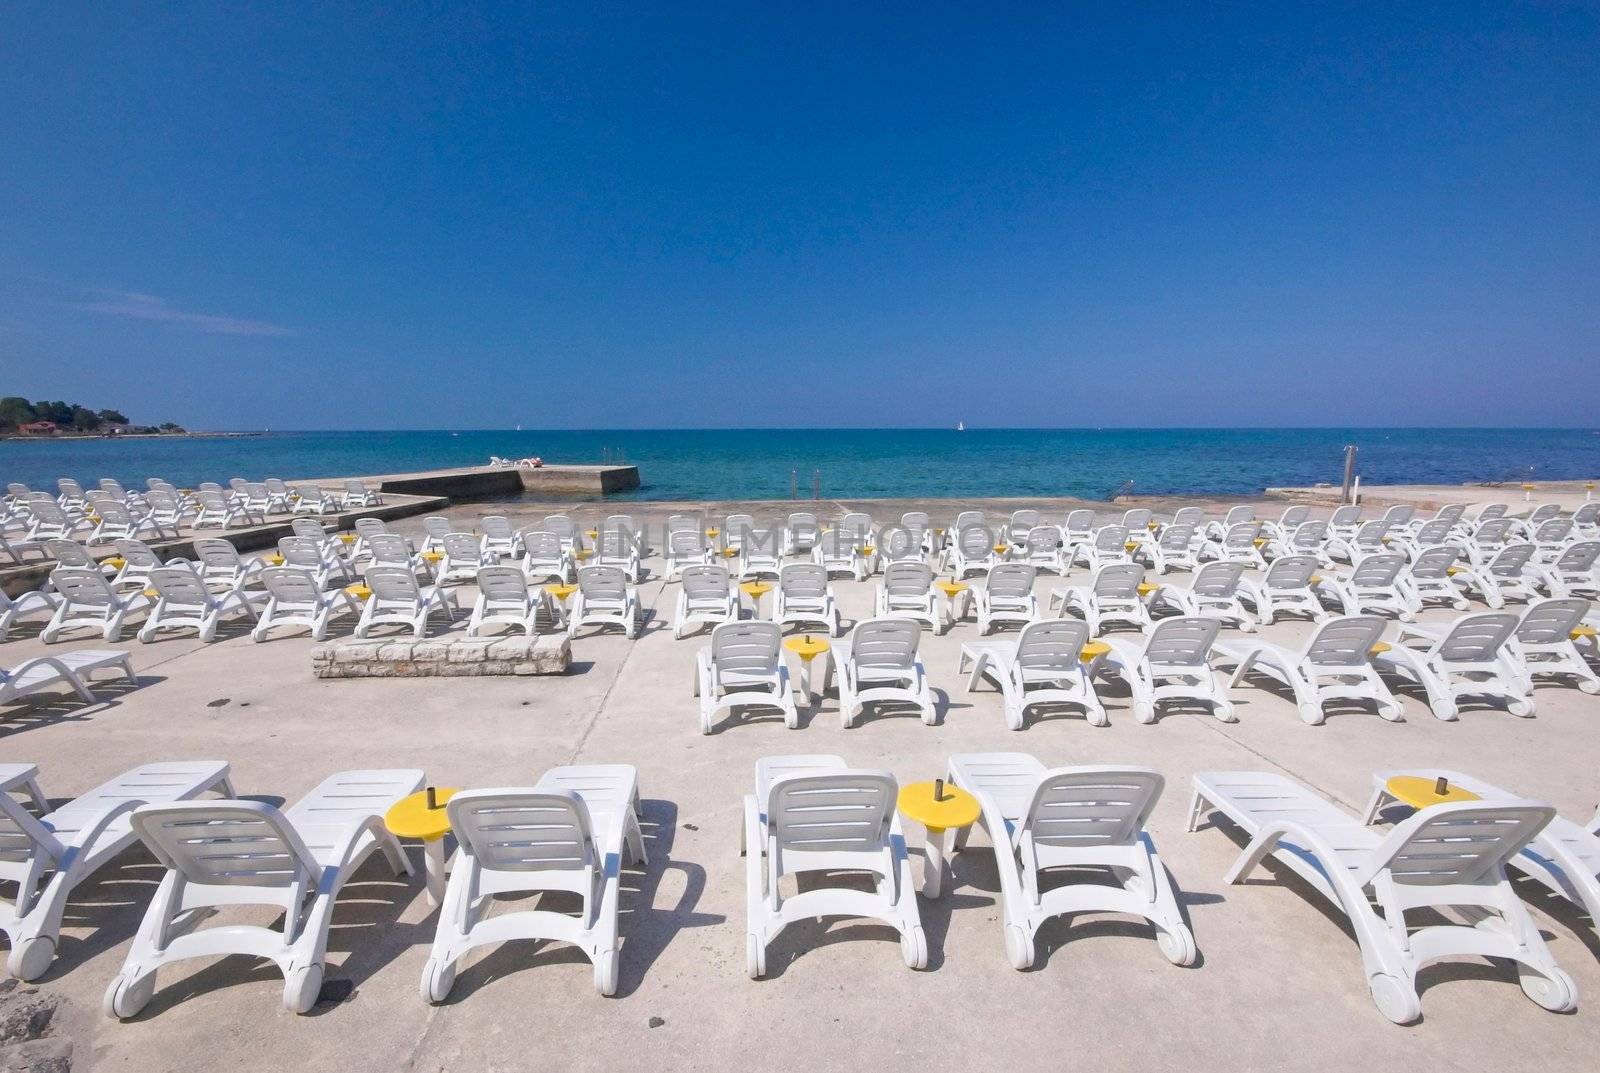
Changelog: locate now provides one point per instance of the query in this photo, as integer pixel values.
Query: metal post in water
(794, 484)
(816, 484)
(1346, 488)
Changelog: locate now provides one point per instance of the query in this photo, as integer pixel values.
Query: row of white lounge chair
(577, 828)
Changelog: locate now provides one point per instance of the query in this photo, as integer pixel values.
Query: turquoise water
(859, 463)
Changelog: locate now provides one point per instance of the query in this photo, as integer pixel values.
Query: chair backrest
(1309, 535)
(682, 542)
(69, 553)
(1550, 622)
(218, 555)
(840, 542)
(1238, 516)
(562, 526)
(975, 542)
(180, 585)
(1435, 532)
(1137, 518)
(276, 486)
(502, 584)
(1293, 516)
(1024, 520)
(1579, 557)
(1553, 531)
(1345, 642)
(138, 553)
(753, 648)
(70, 488)
(301, 551)
(496, 526)
(393, 583)
(365, 527)
(734, 527)
(208, 486)
(683, 523)
(524, 831)
(907, 578)
(968, 518)
(226, 843)
(1182, 642)
(1494, 531)
(803, 521)
(1080, 522)
(541, 544)
(463, 547)
(291, 584)
(1241, 536)
(1491, 511)
(1461, 843)
(1451, 512)
(1476, 638)
(1510, 560)
(804, 580)
(603, 583)
(1290, 572)
(615, 542)
(1189, 516)
(162, 502)
(312, 529)
(48, 511)
(840, 812)
(1218, 580)
(1111, 538)
(1349, 514)
(437, 526)
(1081, 807)
(116, 514)
(1371, 534)
(390, 548)
(703, 582)
(1378, 571)
(855, 522)
(1544, 512)
(915, 519)
(885, 642)
(83, 586)
(1587, 513)
(1052, 644)
(1400, 514)
(213, 501)
(900, 543)
(1012, 579)
(1118, 581)
(1042, 539)
(1435, 563)
(1176, 537)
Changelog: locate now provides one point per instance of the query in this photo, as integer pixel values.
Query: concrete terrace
(1279, 984)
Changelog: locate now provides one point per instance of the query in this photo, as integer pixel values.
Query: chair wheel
(1145, 713)
(606, 969)
(1177, 946)
(1395, 1000)
(755, 956)
(1555, 992)
(1312, 714)
(301, 988)
(438, 977)
(30, 960)
(914, 947)
(1019, 948)
(125, 998)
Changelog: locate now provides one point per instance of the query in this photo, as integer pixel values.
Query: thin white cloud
(135, 306)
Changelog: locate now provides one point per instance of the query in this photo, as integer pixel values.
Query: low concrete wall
(489, 482)
(443, 658)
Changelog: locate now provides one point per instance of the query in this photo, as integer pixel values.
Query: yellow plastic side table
(956, 810)
(755, 590)
(808, 647)
(1093, 650)
(1420, 791)
(562, 593)
(410, 817)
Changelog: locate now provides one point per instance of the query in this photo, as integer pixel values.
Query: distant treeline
(16, 411)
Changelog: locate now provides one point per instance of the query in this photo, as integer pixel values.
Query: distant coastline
(58, 437)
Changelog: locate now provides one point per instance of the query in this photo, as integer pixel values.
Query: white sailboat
(961, 426)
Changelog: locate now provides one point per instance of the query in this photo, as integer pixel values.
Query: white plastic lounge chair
(1110, 545)
(1291, 519)
(760, 553)
(221, 566)
(257, 499)
(1006, 597)
(89, 602)
(1508, 576)
(839, 552)
(279, 491)
(1023, 522)
(397, 599)
(1287, 589)
(317, 533)
(1431, 534)
(743, 668)
(900, 545)
(734, 528)
(1175, 548)
(1217, 529)
(877, 664)
(1110, 599)
(499, 538)
(907, 591)
(1238, 545)
(800, 534)
(1470, 660)
(138, 559)
(47, 521)
(1089, 820)
(1564, 856)
(706, 597)
(1447, 856)
(1431, 577)
(14, 607)
(17, 549)
(183, 602)
(49, 855)
(45, 672)
(1214, 593)
(1173, 664)
(463, 558)
(1552, 538)
(224, 853)
(637, 537)
(1543, 646)
(117, 522)
(972, 552)
(1043, 548)
(70, 553)
(1335, 665)
(814, 815)
(572, 831)
(1039, 668)
(436, 527)
(1344, 521)
(1079, 528)
(504, 597)
(805, 598)
(305, 553)
(619, 547)
(1488, 540)
(1524, 527)
(295, 598)
(1576, 572)
(357, 495)
(218, 509)
(685, 548)
(544, 558)
(1373, 587)
(606, 597)
(1307, 538)
(313, 500)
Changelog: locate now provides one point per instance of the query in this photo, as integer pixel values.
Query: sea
(734, 464)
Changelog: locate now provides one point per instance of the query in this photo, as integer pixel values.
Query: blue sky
(853, 215)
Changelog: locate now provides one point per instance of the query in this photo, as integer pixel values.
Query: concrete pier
(487, 482)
